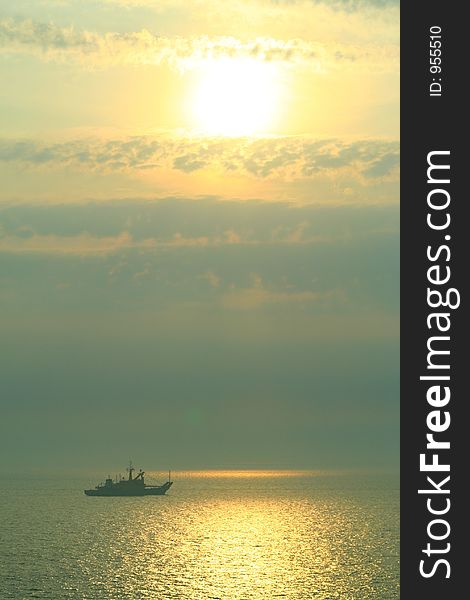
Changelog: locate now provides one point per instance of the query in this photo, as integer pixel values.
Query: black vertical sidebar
(431, 123)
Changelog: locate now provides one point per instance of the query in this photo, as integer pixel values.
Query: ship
(132, 486)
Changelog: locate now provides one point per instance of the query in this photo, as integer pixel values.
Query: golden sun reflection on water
(247, 549)
(255, 537)
(247, 473)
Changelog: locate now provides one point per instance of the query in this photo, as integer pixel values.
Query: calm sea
(215, 535)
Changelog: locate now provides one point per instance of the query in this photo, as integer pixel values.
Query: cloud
(383, 165)
(27, 241)
(337, 4)
(245, 270)
(286, 157)
(51, 42)
(258, 295)
(344, 5)
(232, 255)
(178, 221)
(211, 279)
(85, 243)
(189, 163)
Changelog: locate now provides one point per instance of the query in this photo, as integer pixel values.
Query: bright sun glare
(236, 97)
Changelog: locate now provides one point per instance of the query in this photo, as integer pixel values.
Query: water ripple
(217, 537)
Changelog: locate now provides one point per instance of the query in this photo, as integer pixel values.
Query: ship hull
(141, 491)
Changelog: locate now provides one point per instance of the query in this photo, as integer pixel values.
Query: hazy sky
(199, 233)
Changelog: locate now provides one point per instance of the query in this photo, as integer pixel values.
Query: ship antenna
(130, 469)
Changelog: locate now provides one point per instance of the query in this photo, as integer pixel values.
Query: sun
(236, 97)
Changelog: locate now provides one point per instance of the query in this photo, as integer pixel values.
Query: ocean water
(231, 536)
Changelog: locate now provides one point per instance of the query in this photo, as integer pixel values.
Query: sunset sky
(199, 230)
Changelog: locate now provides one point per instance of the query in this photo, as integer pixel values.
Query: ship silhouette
(132, 486)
